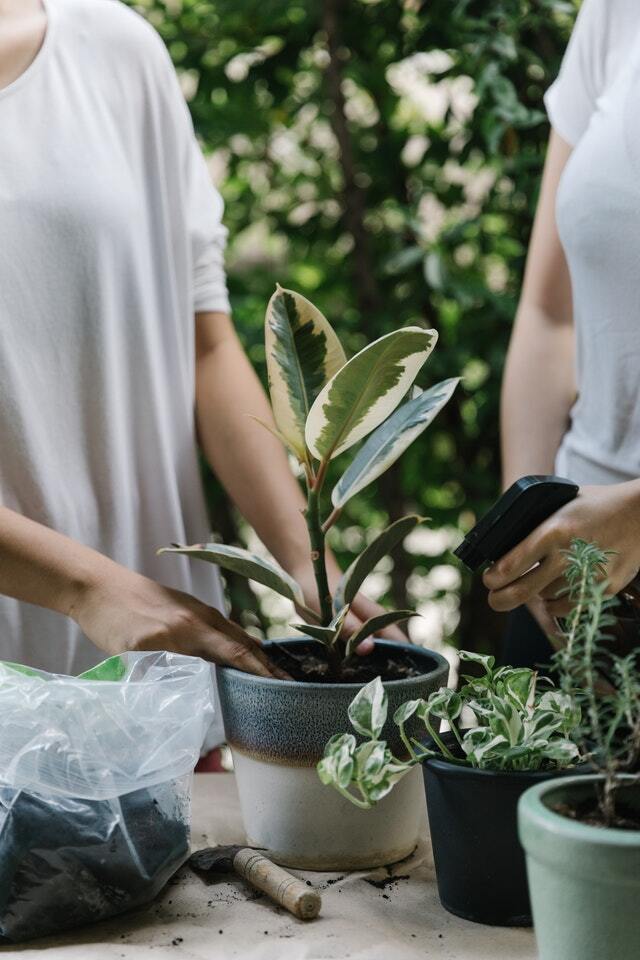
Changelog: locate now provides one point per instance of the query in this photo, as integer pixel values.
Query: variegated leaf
(303, 352)
(366, 390)
(368, 709)
(380, 546)
(391, 439)
(373, 624)
(327, 635)
(247, 564)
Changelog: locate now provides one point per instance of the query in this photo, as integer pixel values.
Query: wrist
(93, 576)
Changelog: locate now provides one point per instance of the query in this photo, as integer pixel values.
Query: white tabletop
(193, 920)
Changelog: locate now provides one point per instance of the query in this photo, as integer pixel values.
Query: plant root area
(309, 664)
(589, 812)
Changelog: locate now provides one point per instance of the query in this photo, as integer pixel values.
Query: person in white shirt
(571, 391)
(117, 355)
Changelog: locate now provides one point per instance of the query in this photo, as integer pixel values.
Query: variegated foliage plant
(324, 404)
(518, 726)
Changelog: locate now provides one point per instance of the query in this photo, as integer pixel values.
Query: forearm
(250, 462)
(537, 394)
(39, 565)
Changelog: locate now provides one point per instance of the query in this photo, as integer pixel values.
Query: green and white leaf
(373, 624)
(406, 710)
(366, 390)
(303, 352)
(337, 765)
(391, 439)
(380, 546)
(368, 709)
(245, 563)
(327, 635)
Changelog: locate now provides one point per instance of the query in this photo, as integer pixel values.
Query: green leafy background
(383, 158)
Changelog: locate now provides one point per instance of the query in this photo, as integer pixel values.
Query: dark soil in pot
(308, 663)
(479, 862)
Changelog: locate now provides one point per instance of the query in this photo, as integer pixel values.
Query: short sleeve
(208, 235)
(571, 99)
(202, 205)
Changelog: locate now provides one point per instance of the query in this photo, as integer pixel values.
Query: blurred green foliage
(383, 158)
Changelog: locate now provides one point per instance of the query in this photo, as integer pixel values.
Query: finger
(393, 633)
(554, 589)
(238, 649)
(527, 587)
(558, 608)
(350, 625)
(515, 564)
(366, 647)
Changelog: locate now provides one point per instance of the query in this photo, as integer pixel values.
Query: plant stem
(446, 753)
(331, 519)
(318, 559)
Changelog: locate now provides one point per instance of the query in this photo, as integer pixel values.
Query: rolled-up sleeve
(208, 236)
(196, 203)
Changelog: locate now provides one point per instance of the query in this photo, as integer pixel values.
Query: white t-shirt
(594, 106)
(110, 239)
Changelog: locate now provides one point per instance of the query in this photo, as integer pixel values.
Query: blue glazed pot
(277, 731)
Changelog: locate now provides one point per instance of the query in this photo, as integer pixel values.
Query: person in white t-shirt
(117, 354)
(571, 392)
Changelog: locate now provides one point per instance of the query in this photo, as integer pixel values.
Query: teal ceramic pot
(277, 731)
(584, 881)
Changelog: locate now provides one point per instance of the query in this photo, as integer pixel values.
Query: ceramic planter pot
(277, 731)
(584, 880)
(479, 863)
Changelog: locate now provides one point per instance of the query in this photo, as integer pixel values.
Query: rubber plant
(323, 405)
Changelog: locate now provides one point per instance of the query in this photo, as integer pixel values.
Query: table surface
(194, 920)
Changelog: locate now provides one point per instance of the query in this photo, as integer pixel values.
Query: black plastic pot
(479, 862)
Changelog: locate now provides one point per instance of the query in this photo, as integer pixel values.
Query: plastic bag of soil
(95, 787)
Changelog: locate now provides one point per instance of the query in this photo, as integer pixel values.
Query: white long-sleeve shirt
(110, 239)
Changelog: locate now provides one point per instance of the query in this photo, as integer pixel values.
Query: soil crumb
(385, 882)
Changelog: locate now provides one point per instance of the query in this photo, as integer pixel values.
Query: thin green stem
(363, 804)
(437, 740)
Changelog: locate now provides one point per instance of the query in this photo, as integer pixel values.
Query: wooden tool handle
(292, 894)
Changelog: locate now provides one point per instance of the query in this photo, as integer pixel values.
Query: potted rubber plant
(582, 835)
(473, 775)
(324, 405)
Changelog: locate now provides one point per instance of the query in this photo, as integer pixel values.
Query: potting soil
(66, 862)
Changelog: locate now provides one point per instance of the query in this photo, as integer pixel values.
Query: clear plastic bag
(95, 786)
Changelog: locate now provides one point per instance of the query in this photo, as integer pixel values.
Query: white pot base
(289, 812)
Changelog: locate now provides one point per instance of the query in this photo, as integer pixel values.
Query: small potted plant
(582, 835)
(473, 776)
(323, 405)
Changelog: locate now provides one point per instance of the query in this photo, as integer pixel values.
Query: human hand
(362, 608)
(121, 610)
(608, 515)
